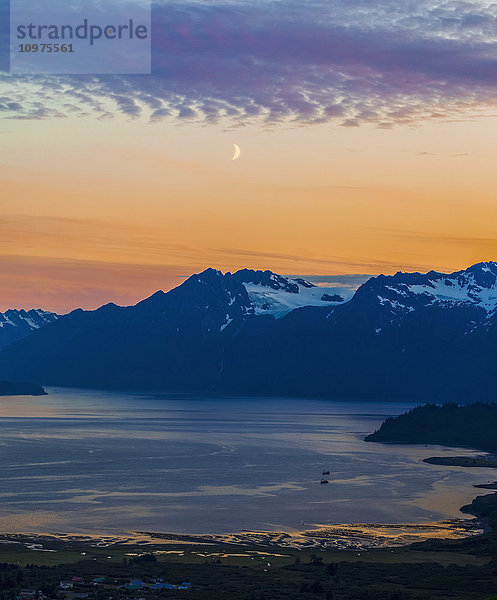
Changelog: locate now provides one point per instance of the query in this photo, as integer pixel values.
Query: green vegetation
(347, 579)
(472, 426)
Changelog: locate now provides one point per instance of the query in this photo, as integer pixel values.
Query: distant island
(487, 461)
(469, 426)
(12, 388)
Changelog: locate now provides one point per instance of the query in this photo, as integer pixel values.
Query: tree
(316, 588)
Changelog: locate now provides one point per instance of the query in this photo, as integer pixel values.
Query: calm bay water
(92, 461)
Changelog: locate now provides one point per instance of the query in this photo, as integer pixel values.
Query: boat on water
(324, 481)
(327, 472)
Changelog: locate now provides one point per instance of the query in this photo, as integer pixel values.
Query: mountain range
(416, 336)
(17, 324)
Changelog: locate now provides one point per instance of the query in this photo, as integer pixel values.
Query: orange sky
(96, 211)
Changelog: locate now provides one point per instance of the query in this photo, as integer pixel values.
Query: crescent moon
(236, 152)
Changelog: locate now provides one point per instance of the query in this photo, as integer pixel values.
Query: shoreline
(351, 536)
(346, 536)
(354, 536)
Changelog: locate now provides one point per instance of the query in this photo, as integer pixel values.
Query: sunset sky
(368, 145)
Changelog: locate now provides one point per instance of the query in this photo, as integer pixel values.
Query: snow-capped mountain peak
(404, 292)
(34, 318)
(223, 298)
(16, 324)
(276, 295)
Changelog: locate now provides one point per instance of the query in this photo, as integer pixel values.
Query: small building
(171, 586)
(66, 585)
(135, 585)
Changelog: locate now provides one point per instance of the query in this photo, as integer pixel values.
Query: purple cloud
(355, 61)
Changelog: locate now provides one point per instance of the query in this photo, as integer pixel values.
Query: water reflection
(79, 460)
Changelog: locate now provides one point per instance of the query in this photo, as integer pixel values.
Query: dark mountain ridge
(410, 335)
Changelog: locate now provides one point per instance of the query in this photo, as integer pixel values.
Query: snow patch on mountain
(276, 295)
(17, 324)
(472, 290)
(32, 319)
(448, 291)
(476, 286)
